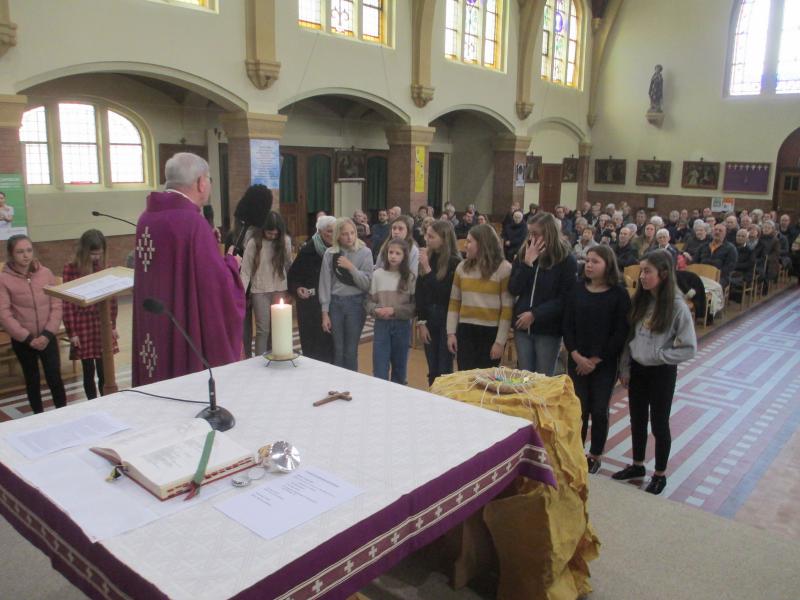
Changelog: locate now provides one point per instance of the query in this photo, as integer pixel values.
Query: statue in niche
(657, 90)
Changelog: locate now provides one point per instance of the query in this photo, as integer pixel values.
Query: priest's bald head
(189, 174)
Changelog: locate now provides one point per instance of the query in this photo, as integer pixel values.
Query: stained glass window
(473, 31)
(561, 42)
(362, 19)
(765, 48)
(81, 140)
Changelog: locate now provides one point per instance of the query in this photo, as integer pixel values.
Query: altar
(425, 463)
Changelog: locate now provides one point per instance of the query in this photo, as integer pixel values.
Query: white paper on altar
(102, 286)
(45, 440)
(76, 482)
(288, 501)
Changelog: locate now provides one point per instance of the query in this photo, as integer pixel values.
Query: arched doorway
(786, 195)
(334, 155)
(462, 160)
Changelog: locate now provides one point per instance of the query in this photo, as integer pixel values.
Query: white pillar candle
(281, 330)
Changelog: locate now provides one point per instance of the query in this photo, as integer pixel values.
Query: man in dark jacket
(625, 251)
(380, 231)
(719, 253)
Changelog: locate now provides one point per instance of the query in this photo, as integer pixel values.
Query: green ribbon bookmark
(200, 473)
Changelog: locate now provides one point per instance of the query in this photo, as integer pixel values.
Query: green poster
(13, 215)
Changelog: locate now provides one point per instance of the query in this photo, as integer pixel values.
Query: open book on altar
(163, 459)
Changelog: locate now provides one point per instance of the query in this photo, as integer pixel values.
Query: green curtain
(288, 179)
(435, 174)
(318, 183)
(377, 182)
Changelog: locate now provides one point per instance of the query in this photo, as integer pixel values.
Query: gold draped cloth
(541, 535)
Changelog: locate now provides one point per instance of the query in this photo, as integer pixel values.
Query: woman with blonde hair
(437, 266)
(542, 278)
(479, 313)
(344, 281)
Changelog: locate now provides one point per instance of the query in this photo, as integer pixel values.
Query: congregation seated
(695, 241)
(768, 252)
(463, 227)
(513, 235)
(647, 240)
(719, 253)
(626, 252)
(380, 231)
(584, 244)
(662, 243)
(745, 263)
(731, 228)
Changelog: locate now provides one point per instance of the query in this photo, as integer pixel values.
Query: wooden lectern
(99, 287)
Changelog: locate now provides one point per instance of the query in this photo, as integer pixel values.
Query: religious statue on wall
(657, 90)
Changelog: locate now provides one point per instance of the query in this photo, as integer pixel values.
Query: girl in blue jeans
(542, 278)
(391, 302)
(344, 280)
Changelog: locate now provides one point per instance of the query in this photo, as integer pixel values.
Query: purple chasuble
(178, 262)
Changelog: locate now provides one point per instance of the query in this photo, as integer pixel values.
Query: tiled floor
(735, 419)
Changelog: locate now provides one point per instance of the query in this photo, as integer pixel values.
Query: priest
(179, 264)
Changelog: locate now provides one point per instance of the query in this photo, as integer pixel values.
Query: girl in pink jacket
(31, 318)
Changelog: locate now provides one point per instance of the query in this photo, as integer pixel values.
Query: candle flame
(281, 302)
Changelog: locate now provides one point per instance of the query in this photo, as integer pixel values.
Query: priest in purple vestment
(178, 263)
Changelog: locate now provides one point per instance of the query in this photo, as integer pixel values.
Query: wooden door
(294, 206)
(789, 192)
(550, 187)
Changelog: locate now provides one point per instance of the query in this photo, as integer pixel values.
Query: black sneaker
(656, 485)
(629, 472)
(593, 463)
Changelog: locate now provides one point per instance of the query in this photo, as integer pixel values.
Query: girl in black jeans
(595, 330)
(662, 335)
(437, 265)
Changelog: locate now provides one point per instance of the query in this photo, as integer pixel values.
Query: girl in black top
(595, 330)
(437, 265)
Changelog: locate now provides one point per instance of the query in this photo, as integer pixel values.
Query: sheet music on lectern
(102, 286)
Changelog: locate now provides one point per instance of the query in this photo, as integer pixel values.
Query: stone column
(584, 152)
(240, 128)
(11, 109)
(509, 150)
(403, 143)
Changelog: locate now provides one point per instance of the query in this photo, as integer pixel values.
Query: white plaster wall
(700, 121)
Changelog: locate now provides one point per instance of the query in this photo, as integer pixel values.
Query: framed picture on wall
(533, 164)
(746, 177)
(700, 175)
(653, 172)
(351, 165)
(569, 170)
(610, 170)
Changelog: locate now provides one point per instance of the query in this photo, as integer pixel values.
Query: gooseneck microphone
(219, 418)
(99, 214)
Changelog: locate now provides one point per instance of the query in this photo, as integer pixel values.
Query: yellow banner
(419, 169)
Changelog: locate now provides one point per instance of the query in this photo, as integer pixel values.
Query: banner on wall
(724, 205)
(419, 169)
(265, 163)
(13, 213)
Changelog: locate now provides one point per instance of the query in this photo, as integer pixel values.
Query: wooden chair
(713, 273)
(632, 272)
(498, 227)
(461, 245)
(679, 246)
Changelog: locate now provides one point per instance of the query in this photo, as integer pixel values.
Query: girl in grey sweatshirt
(662, 335)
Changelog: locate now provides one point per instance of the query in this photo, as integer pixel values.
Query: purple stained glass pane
(474, 2)
(559, 22)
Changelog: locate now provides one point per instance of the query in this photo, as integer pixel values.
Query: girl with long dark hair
(662, 335)
(267, 257)
(437, 266)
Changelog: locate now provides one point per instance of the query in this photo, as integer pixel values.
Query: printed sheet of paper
(76, 482)
(288, 501)
(101, 287)
(46, 440)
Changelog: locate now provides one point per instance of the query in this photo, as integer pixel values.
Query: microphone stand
(99, 214)
(218, 417)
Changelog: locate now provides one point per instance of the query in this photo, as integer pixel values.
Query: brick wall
(10, 151)
(668, 202)
(54, 255)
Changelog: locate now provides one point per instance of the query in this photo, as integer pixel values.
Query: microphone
(99, 214)
(219, 418)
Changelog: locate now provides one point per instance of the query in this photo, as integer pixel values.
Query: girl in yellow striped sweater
(479, 314)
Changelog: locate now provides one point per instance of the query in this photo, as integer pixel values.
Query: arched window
(75, 143)
(561, 42)
(765, 48)
(474, 32)
(366, 20)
